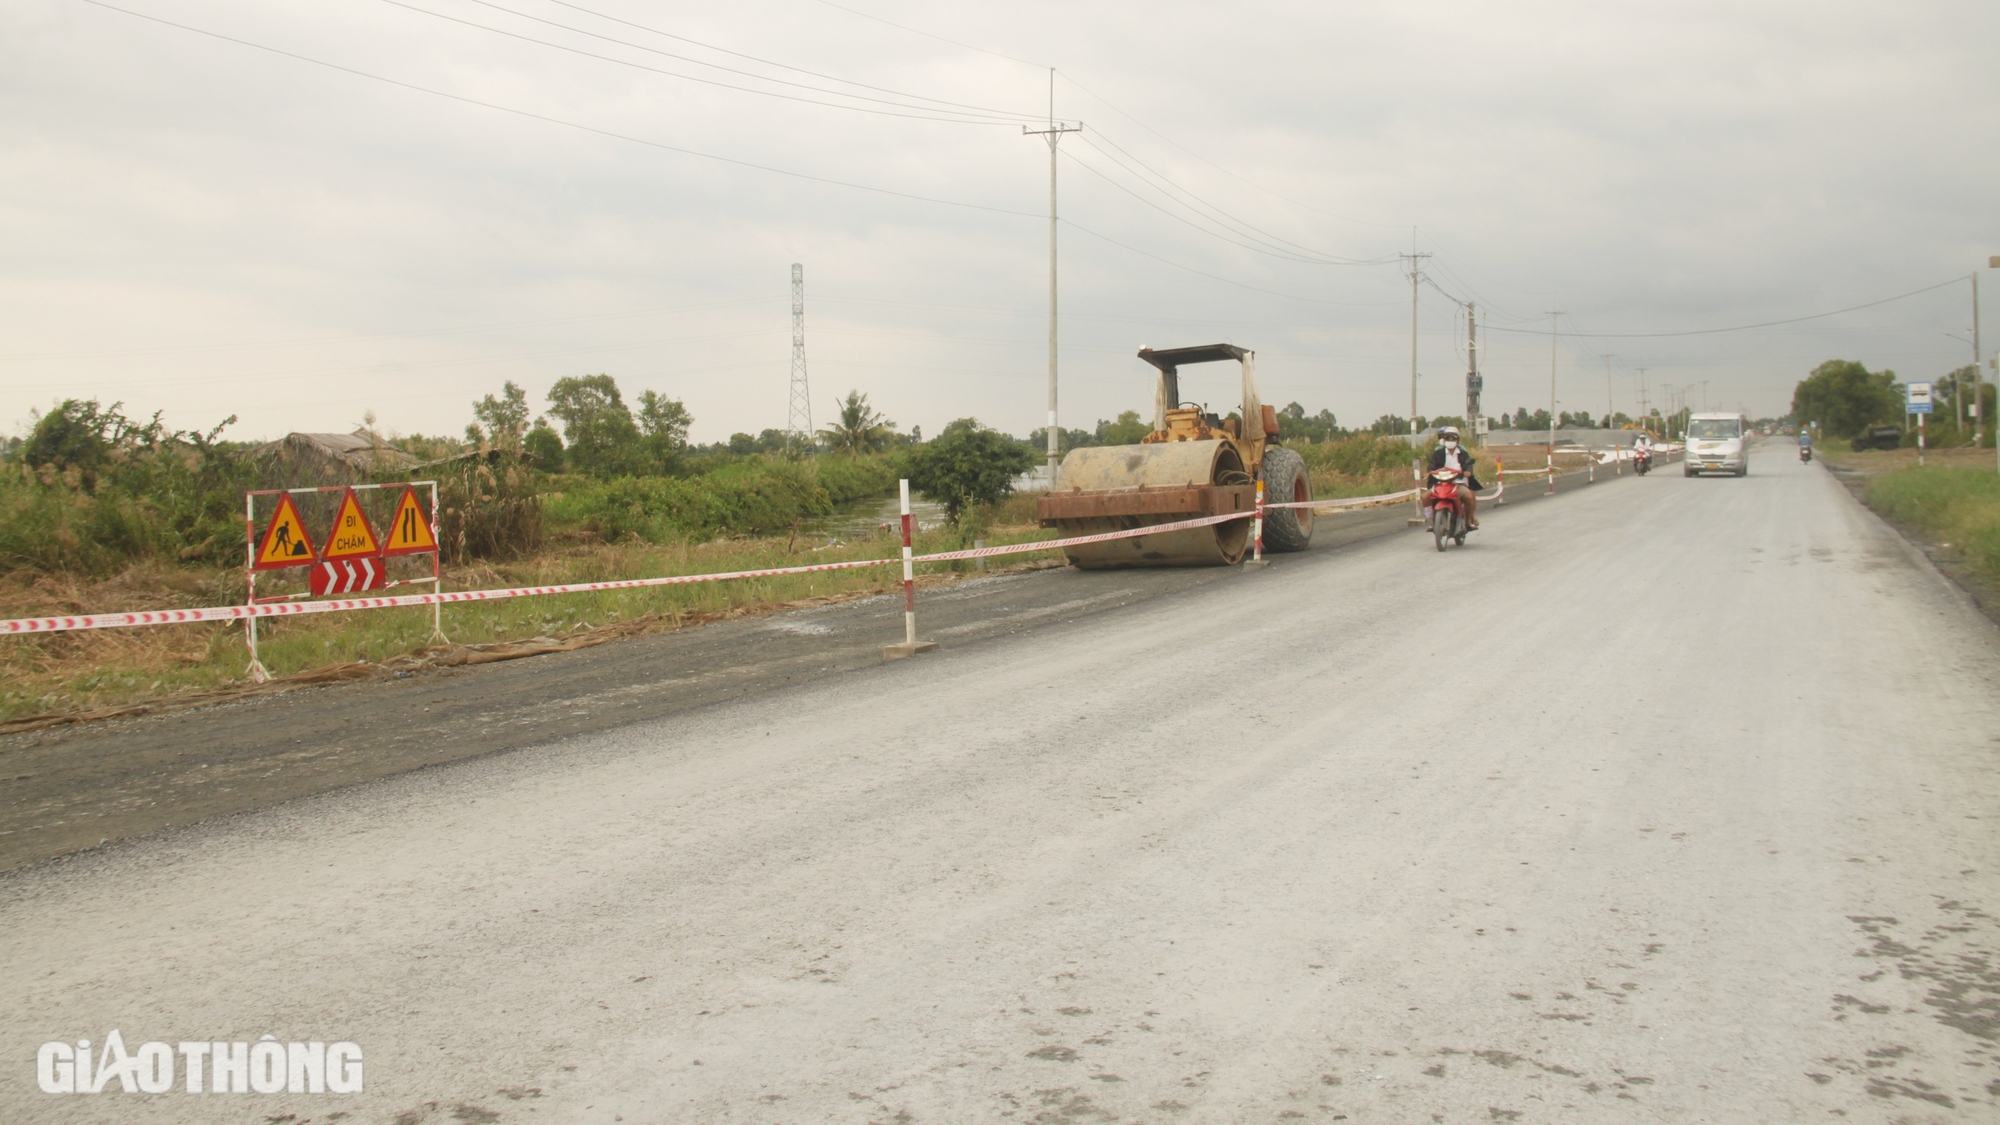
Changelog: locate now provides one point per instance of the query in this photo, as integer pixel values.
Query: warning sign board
(347, 576)
(351, 536)
(285, 542)
(410, 528)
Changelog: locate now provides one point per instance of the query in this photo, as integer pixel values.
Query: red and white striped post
(911, 645)
(1257, 528)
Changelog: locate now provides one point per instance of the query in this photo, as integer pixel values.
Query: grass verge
(63, 673)
(1959, 506)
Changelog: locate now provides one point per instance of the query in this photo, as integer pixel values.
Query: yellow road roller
(1192, 464)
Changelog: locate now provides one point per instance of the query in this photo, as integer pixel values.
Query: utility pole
(1416, 275)
(1552, 400)
(799, 421)
(1978, 422)
(1473, 383)
(1644, 414)
(1608, 398)
(1054, 135)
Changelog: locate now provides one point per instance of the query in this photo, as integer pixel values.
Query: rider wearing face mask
(1451, 455)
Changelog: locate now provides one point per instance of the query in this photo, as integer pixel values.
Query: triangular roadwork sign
(285, 542)
(410, 529)
(351, 536)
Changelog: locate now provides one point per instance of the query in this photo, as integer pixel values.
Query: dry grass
(75, 672)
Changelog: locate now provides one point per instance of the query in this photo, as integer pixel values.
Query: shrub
(94, 490)
(967, 465)
(1357, 456)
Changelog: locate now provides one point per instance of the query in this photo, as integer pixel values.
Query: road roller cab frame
(1192, 464)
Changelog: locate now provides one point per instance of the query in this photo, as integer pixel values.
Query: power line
(113, 353)
(531, 115)
(1213, 276)
(1168, 186)
(1743, 327)
(926, 113)
(767, 62)
(939, 38)
(1071, 79)
(1198, 156)
(1184, 220)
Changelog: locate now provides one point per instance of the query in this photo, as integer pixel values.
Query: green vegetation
(1844, 398)
(861, 429)
(1959, 506)
(90, 490)
(966, 466)
(100, 512)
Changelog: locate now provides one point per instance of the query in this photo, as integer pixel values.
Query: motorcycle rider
(1642, 446)
(1451, 455)
(1805, 443)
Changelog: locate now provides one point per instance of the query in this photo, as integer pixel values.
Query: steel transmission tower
(799, 425)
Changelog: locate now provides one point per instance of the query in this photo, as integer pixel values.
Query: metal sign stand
(1917, 400)
(257, 672)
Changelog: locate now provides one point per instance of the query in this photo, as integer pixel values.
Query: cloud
(206, 228)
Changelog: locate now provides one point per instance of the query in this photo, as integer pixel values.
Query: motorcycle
(1447, 514)
(1642, 461)
(1805, 454)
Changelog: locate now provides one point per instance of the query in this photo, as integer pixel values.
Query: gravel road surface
(1673, 800)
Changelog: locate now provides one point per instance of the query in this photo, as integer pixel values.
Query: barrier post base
(1413, 521)
(1255, 564)
(905, 650)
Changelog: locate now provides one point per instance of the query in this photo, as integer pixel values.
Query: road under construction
(1650, 804)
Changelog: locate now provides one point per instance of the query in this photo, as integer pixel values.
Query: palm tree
(861, 429)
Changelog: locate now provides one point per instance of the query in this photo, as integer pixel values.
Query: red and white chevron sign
(345, 576)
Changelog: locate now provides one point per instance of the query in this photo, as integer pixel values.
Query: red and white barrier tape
(336, 605)
(1074, 540)
(24, 625)
(1349, 502)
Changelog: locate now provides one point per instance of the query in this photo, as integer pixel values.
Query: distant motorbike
(1642, 461)
(1805, 454)
(1448, 507)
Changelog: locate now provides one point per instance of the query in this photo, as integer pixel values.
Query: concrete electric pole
(1552, 400)
(1978, 421)
(1473, 383)
(1609, 409)
(1416, 275)
(1054, 135)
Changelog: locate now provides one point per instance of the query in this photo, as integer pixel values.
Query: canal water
(861, 519)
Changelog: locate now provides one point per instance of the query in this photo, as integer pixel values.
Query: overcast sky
(209, 228)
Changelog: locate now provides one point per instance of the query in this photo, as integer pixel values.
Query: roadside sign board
(410, 528)
(352, 536)
(1917, 398)
(285, 542)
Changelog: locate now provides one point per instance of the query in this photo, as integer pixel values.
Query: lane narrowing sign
(410, 528)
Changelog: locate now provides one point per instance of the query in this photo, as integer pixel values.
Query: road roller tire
(1286, 480)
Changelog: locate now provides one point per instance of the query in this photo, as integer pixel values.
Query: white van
(1717, 443)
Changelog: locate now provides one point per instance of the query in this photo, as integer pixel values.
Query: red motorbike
(1642, 460)
(1448, 507)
